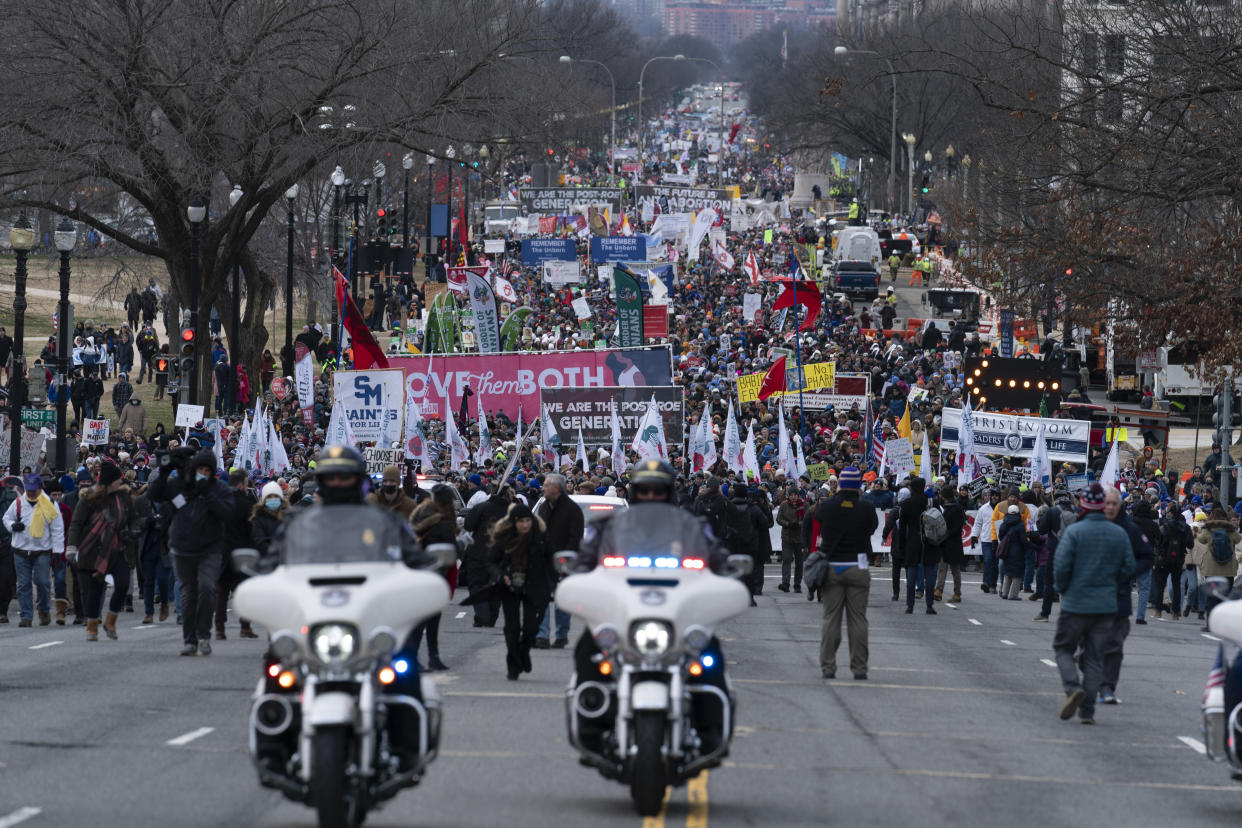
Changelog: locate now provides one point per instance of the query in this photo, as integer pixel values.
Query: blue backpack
(1222, 550)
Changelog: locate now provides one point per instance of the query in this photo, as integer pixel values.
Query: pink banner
(507, 380)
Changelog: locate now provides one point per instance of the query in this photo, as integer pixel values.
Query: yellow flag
(903, 425)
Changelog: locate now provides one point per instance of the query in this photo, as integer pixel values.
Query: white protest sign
(750, 306)
(371, 400)
(188, 415)
(32, 444)
(561, 273)
(582, 308)
(493, 245)
(379, 459)
(95, 432)
(899, 456)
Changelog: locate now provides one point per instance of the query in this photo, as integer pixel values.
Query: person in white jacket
(981, 534)
(36, 527)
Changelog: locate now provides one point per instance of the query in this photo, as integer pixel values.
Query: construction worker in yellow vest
(916, 273)
(854, 213)
(894, 264)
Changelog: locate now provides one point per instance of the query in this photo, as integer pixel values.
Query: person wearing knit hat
(521, 560)
(846, 523)
(1094, 560)
(37, 527)
(113, 501)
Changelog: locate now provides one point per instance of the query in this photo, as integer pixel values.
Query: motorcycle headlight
(651, 637)
(697, 639)
(334, 644)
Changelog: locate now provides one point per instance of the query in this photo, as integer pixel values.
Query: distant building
(729, 22)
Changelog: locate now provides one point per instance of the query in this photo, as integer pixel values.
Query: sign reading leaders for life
(590, 410)
(671, 199)
(373, 402)
(1014, 436)
(562, 200)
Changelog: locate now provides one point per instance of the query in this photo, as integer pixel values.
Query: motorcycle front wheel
(330, 757)
(648, 779)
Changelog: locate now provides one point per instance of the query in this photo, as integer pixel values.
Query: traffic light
(1223, 414)
(926, 188)
(381, 226)
(185, 358)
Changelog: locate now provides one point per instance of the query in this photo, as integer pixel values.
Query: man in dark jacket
(434, 521)
(1144, 558)
(846, 523)
(564, 524)
(921, 560)
(196, 541)
(236, 536)
(760, 510)
(740, 527)
(479, 522)
(712, 507)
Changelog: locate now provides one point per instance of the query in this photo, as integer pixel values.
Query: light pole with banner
(612, 144)
(291, 196)
(195, 212)
(642, 127)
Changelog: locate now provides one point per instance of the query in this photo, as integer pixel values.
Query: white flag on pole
(485, 435)
(1112, 471)
(1041, 465)
(749, 455)
(416, 447)
(733, 449)
(649, 441)
(619, 463)
(581, 456)
(459, 451)
(549, 439)
(340, 432)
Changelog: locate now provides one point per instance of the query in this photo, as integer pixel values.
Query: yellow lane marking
(657, 821)
(696, 791)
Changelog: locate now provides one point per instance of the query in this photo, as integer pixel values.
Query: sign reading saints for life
(373, 402)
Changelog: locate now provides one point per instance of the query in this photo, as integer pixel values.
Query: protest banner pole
(798, 351)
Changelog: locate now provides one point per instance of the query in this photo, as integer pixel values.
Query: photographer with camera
(202, 506)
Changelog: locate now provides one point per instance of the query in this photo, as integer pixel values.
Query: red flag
(463, 228)
(808, 297)
(773, 380)
(733, 132)
(367, 352)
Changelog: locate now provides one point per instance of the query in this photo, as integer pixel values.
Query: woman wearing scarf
(101, 537)
(521, 563)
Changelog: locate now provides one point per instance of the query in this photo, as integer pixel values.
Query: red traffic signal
(187, 334)
(381, 212)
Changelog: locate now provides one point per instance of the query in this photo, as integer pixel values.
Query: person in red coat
(242, 395)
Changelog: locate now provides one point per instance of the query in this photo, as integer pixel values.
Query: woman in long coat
(521, 565)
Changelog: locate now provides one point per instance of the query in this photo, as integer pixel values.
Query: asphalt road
(957, 726)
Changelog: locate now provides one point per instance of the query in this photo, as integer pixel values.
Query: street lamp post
(196, 212)
(642, 128)
(66, 238)
(612, 144)
(407, 163)
(430, 196)
(842, 51)
(450, 154)
(338, 180)
(909, 138)
(235, 331)
(291, 195)
(22, 239)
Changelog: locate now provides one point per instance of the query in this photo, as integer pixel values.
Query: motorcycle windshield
(341, 534)
(654, 530)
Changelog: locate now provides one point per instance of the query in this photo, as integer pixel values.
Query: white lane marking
(186, 738)
(975, 621)
(1193, 744)
(460, 615)
(1209, 637)
(1048, 661)
(19, 816)
(146, 627)
(1007, 641)
(951, 605)
(47, 644)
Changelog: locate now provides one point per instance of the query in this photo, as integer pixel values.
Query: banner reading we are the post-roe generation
(507, 380)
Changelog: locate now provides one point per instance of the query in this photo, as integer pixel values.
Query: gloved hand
(18, 526)
(71, 554)
(974, 542)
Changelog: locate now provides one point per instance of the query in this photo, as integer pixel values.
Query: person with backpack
(922, 560)
(1051, 525)
(1011, 550)
(1177, 540)
(1145, 518)
(1217, 545)
(1119, 629)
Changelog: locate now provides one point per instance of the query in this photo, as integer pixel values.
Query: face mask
(390, 490)
(272, 503)
(200, 477)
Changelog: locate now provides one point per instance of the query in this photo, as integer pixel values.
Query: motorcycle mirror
(246, 560)
(565, 560)
(1217, 587)
(740, 566)
(444, 553)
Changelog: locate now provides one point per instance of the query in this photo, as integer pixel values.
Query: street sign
(36, 418)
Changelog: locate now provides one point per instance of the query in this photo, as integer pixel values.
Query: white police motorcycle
(341, 720)
(649, 703)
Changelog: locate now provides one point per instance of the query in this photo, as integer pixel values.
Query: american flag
(877, 437)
